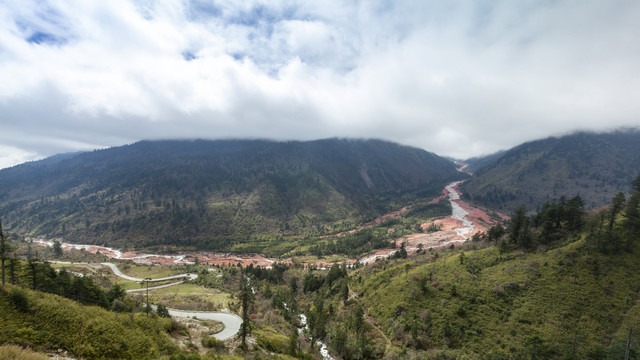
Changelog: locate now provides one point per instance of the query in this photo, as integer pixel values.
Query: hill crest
(214, 194)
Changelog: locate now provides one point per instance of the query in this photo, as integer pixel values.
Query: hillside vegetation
(49, 322)
(561, 284)
(594, 166)
(216, 194)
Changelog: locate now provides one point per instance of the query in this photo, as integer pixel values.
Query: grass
(14, 352)
(150, 271)
(45, 321)
(191, 297)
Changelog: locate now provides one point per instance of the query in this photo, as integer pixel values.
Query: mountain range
(221, 195)
(214, 194)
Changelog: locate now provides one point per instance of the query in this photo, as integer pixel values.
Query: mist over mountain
(213, 194)
(592, 165)
(476, 163)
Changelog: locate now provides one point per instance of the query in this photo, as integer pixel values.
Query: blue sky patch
(42, 38)
(188, 55)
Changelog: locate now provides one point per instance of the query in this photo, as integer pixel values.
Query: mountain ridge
(212, 194)
(592, 165)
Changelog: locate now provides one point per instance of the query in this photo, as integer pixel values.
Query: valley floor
(465, 221)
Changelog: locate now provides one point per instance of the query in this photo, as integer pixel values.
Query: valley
(464, 222)
(157, 275)
(417, 270)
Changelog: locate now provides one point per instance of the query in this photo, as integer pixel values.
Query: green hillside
(561, 284)
(553, 288)
(49, 322)
(215, 194)
(594, 166)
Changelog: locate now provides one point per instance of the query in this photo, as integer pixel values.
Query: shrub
(213, 343)
(18, 298)
(162, 311)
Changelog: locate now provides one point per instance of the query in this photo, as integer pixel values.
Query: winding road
(230, 321)
(124, 276)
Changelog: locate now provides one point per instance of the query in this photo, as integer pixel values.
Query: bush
(18, 298)
(162, 311)
(213, 343)
(183, 356)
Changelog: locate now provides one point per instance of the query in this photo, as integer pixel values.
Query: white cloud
(10, 156)
(456, 78)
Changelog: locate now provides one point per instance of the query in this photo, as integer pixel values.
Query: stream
(458, 212)
(232, 322)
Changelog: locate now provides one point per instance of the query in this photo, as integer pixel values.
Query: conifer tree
(617, 204)
(632, 215)
(246, 299)
(516, 224)
(3, 250)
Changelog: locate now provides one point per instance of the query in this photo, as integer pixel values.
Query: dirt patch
(198, 329)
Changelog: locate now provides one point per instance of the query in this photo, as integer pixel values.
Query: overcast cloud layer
(458, 78)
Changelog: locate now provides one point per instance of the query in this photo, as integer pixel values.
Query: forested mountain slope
(213, 194)
(594, 166)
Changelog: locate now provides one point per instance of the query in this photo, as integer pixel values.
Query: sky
(458, 78)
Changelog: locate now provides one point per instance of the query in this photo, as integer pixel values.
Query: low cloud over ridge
(456, 78)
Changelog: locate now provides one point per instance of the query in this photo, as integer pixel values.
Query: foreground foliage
(14, 352)
(39, 320)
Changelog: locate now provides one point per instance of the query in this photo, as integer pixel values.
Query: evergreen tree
(617, 204)
(13, 270)
(635, 184)
(344, 290)
(3, 250)
(33, 269)
(575, 213)
(57, 248)
(519, 229)
(246, 299)
(293, 343)
(517, 224)
(632, 219)
(495, 233)
(293, 283)
(358, 325)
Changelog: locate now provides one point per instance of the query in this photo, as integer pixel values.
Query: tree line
(611, 229)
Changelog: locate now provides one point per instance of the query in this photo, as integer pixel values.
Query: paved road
(231, 322)
(119, 273)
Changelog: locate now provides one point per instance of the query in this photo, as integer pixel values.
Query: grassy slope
(14, 352)
(52, 322)
(571, 304)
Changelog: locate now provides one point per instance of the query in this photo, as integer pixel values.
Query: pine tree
(3, 250)
(617, 204)
(246, 299)
(57, 247)
(516, 224)
(632, 218)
